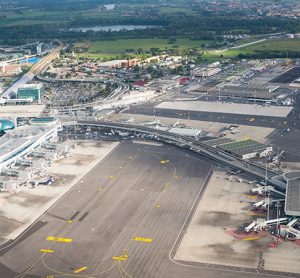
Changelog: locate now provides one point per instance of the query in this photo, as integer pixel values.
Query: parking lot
(68, 93)
(288, 76)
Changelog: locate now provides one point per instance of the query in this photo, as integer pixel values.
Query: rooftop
(31, 86)
(17, 140)
(292, 199)
(291, 175)
(243, 147)
(218, 141)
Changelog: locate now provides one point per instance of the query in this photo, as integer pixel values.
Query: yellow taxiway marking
(70, 221)
(251, 238)
(120, 258)
(251, 196)
(46, 250)
(80, 269)
(256, 213)
(49, 276)
(142, 239)
(59, 239)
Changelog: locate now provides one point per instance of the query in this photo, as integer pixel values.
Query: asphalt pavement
(134, 206)
(262, 121)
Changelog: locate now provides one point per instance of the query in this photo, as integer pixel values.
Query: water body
(112, 28)
(32, 60)
(109, 7)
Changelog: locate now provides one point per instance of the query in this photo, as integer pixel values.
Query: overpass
(257, 171)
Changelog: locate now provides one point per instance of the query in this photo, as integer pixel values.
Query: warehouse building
(247, 149)
(32, 91)
(205, 72)
(259, 91)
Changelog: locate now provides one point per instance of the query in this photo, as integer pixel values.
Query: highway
(255, 170)
(125, 218)
(35, 69)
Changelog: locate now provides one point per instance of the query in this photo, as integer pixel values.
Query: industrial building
(205, 72)
(247, 149)
(31, 91)
(119, 63)
(259, 91)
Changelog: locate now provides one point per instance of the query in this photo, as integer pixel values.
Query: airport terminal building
(23, 140)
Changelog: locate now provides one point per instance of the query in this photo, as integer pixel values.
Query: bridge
(257, 171)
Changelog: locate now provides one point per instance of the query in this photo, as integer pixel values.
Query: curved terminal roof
(43, 121)
(291, 175)
(6, 125)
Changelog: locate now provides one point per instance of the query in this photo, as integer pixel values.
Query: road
(143, 191)
(37, 68)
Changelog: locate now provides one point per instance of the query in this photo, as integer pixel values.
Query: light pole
(267, 190)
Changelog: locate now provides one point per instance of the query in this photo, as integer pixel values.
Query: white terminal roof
(29, 86)
(185, 131)
(17, 141)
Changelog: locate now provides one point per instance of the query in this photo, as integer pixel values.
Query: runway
(134, 206)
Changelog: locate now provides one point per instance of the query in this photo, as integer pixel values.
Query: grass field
(117, 47)
(279, 45)
(271, 45)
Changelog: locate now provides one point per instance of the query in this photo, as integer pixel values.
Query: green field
(276, 45)
(113, 49)
(266, 46)
(101, 49)
(35, 16)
